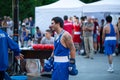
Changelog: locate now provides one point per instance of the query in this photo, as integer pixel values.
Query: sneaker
(113, 54)
(110, 69)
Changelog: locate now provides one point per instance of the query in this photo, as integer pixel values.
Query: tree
(5, 8)
(89, 1)
(26, 7)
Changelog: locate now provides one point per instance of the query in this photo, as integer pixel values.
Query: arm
(69, 44)
(117, 33)
(103, 34)
(42, 40)
(90, 28)
(15, 48)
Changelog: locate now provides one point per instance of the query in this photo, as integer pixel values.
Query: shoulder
(107, 25)
(115, 27)
(3, 32)
(67, 35)
(43, 38)
(52, 37)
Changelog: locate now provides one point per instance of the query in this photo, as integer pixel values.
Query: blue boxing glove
(72, 67)
(48, 64)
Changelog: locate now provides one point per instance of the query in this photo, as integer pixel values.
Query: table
(36, 54)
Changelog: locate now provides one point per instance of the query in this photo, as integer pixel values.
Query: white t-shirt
(47, 41)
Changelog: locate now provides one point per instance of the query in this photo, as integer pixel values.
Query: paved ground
(95, 69)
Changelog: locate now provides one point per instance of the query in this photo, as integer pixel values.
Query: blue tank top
(24, 36)
(39, 34)
(60, 50)
(112, 31)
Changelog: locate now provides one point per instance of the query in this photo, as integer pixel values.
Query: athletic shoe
(110, 69)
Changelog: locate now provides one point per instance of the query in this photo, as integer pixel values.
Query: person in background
(47, 39)
(98, 34)
(70, 19)
(63, 47)
(68, 26)
(31, 24)
(101, 32)
(110, 38)
(83, 22)
(77, 34)
(7, 43)
(0, 22)
(24, 36)
(4, 24)
(118, 25)
(95, 35)
(88, 38)
(38, 35)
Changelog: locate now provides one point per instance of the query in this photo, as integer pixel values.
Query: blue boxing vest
(60, 50)
(60, 69)
(110, 41)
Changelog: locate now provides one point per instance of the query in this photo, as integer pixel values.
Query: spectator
(38, 35)
(101, 32)
(77, 34)
(48, 39)
(68, 26)
(24, 36)
(88, 38)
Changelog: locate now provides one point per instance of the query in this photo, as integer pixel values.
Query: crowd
(29, 34)
(86, 33)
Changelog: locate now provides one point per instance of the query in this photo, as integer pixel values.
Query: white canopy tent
(44, 14)
(102, 8)
(112, 6)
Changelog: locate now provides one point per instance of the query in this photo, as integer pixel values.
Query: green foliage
(44, 2)
(5, 8)
(89, 1)
(26, 7)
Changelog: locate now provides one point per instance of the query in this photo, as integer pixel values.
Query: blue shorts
(60, 71)
(94, 37)
(109, 46)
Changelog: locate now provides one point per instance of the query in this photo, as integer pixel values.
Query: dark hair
(82, 18)
(119, 18)
(37, 27)
(58, 20)
(102, 20)
(48, 31)
(65, 17)
(77, 17)
(109, 18)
